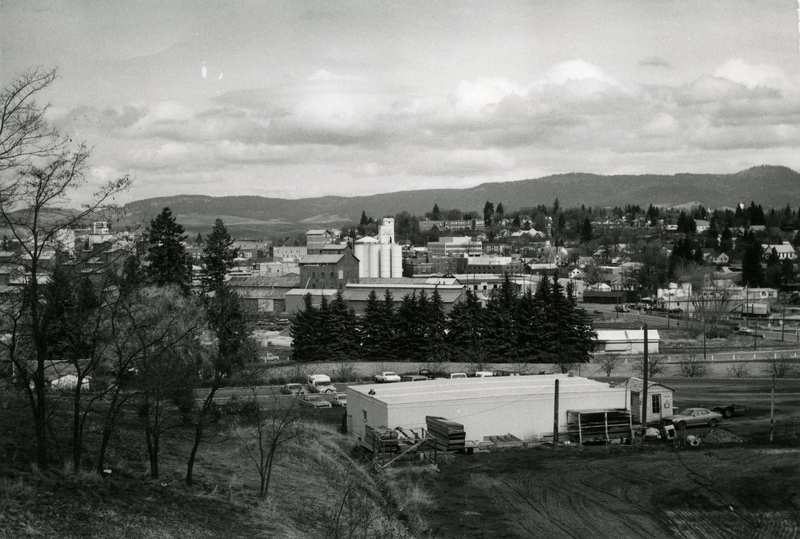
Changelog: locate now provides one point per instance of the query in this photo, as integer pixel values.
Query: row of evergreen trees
(545, 326)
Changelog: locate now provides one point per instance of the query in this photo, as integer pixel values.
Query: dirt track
(621, 492)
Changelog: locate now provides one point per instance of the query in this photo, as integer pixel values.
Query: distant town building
(328, 271)
(455, 245)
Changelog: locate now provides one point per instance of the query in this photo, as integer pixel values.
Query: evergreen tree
(752, 273)
(169, 264)
(465, 330)
(341, 328)
(501, 331)
(586, 231)
(436, 334)
(304, 329)
(488, 213)
(436, 214)
(218, 256)
(411, 344)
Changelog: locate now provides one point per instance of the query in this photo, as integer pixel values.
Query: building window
(365, 415)
(656, 399)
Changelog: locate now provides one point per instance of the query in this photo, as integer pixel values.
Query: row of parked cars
(426, 374)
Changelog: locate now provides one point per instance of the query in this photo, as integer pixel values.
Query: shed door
(655, 403)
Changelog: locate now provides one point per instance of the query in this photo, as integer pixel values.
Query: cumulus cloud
(752, 75)
(569, 117)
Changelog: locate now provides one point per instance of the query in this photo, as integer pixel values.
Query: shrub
(691, 367)
(738, 370)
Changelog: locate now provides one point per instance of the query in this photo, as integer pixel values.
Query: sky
(295, 99)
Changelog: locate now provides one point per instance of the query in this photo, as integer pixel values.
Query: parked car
(340, 399)
(505, 373)
(621, 308)
(730, 410)
(413, 378)
(387, 376)
(315, 402)
(695, 417)
(270, 357)
(293, 389)
(457, 375)
(483, 374)
(320, 383)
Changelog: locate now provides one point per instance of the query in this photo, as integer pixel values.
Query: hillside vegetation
(771, 186)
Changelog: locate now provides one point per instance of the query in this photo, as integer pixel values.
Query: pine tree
(586, 231)
(303, 330)
(465, 330)
(752, 273)
(501, 330)
(343, 337)
(169, 264)
(436, 334)
(218, 256)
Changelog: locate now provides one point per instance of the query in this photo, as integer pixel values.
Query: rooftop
(478, 388)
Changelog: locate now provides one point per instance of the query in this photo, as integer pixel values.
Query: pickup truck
(320, 383)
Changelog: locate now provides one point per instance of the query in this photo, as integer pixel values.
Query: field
(620, 492)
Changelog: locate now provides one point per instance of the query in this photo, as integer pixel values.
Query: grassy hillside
(320, 489)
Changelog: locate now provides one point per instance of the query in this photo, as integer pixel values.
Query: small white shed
(626, 341)
(518, 405)
(659, 396)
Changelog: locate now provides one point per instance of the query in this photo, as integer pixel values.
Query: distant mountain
(769, 186)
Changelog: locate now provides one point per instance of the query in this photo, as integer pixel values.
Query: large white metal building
(627, 341)
(519, 405)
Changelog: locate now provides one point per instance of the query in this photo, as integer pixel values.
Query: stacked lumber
(448, 435)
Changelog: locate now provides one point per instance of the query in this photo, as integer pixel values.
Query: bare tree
(38, 172)
(692, 367)
(167, 369)
(654, 365)
(24, 132)
(275, 425)
(780, 367)
(232, 345)
(609, 362)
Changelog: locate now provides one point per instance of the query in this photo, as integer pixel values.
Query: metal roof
(504, 387)
(637, 384)
(448, 295)
(626, 335)
(321, 259)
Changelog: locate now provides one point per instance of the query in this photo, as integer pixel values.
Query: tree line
(545, 326)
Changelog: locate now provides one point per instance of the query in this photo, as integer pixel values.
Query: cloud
(752, 75)
(655, 61)
(572, 116)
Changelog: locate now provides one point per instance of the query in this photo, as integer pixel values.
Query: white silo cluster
(381, 256)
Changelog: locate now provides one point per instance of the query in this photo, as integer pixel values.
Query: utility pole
(555, 418)
(645, 369)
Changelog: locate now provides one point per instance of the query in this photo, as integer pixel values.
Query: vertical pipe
(772, 410)
(555, 417)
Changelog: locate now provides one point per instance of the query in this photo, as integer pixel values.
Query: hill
(769, 186)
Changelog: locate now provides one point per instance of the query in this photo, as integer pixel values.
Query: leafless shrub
(692, 367)
(654, 366)
(738, 370)
(344, 372)
(780, 367)
(609, 362)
